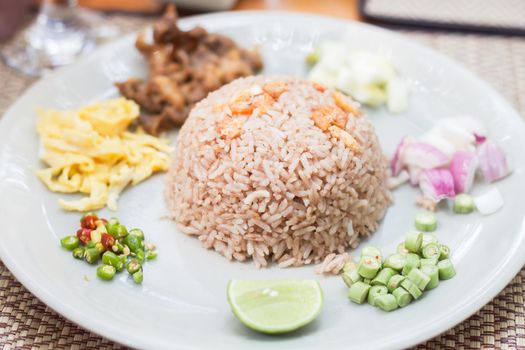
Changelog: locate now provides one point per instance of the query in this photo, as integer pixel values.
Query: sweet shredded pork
(184, 66)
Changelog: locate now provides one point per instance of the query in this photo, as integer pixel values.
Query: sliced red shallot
(437, 184)
(463, 169)
(396, 181)
(492, 161)
(489, 202)
(424, 156)
(396, 164)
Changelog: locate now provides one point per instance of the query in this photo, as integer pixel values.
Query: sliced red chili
(84, 235)
(107, 240)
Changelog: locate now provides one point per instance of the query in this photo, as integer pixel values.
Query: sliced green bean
(395, 261)
(70, 242)
(412, 260)
(106, 272)
(426, 221)
(446, 269)
(430, 261)
(374, 292)
(358, 292)
(368, 267)
(140, 255)
(403, 298)
(431, 250)
(429, 238)
(413, 242)
(383, 276)
(444, 252)
(394, 282)
(432, 272)
(386, 302)
(418, 278)
(110, 258)
(371, 251)
(410, 287)
(350, 277)
(401, 249)
(117, 230)
(463, 204)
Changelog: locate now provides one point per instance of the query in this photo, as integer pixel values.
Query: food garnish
(368, 77)
(444, 162)
(109, 241)
(463, 204)
(489, 202)
(90, 151)
(184, 66)
(426, 221)
(420, 262)
(278, 306)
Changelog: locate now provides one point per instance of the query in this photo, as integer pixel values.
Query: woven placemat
(26, 323)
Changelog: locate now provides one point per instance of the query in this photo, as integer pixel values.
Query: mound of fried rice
(280, 189)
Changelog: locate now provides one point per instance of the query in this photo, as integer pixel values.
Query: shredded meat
(184, 66)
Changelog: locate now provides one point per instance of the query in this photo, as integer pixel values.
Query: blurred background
(38, 35)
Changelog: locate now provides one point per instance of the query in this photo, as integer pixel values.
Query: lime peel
(275, 306)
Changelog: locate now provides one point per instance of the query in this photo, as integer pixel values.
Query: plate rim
(508, 271)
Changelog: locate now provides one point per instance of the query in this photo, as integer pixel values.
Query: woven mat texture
(26, 323)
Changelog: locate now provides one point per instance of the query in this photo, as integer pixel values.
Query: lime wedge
(278, 306)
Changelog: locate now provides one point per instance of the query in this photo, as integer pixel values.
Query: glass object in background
(56, 38)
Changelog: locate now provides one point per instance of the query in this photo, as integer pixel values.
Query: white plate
(182, 302)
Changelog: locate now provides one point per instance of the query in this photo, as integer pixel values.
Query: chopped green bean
(106, 272)
(463, 204)
(138, 277)
(373, 252)
(394, 282)
(428, 238)
(374, 292)
(78, 253)
(413, 242)
(429, 261)
(358, 292)
(383, 276)
(386, 302)
(350, 277)
(431, 250)
(426, 221)
(368, 267)
(410, 287)
(92, 255)
(133, 266)
(444, 252)
(401, 249)
(418, 278)
(395, 261)
(446, 269)
(403, 298)
(70, 242)
(412, 260)
(366, 280)
(350, 266)
(433, 272)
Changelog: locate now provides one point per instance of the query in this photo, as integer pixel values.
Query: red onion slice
(437, 184)
(492, 161)
(396, 164)
(424, 156)
(463, 168)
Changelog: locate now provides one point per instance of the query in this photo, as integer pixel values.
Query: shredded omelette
(91, 151)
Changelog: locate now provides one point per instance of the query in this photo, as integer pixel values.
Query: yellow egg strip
(90, 151)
